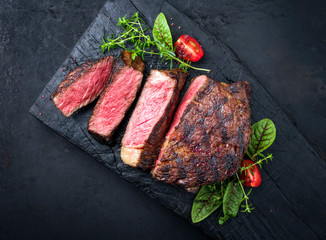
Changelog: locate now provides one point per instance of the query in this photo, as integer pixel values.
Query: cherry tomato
(188, 48)
(251, 176)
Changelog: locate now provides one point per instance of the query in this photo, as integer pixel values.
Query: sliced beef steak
(117, 96)
(208, 136)
(82, 85)
(151, 118)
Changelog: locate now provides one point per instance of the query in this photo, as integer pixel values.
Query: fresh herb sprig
(133, 32)
(231, 193)
(134, 39)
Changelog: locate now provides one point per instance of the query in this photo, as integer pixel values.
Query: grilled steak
(117, 96)
(151, 118)
(208, 136)
(82, 85)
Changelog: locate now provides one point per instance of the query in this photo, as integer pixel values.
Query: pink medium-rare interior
(85, 89)
(155, 97)
(191, 92)
(117, 98)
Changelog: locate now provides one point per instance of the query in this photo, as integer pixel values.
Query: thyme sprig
(259, 162)
(246, 207)
(133, 32)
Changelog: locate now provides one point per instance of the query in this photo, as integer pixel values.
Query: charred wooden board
(288, 204)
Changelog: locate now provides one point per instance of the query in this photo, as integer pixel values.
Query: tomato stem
(188, 65)
(166, 54)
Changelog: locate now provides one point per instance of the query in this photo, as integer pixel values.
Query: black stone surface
(50, 190)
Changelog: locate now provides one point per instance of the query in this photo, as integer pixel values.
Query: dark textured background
(49, 189)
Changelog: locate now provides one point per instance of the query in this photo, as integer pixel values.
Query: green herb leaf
(231, 201)
(262, 136)
(162, 34)
(208, 199)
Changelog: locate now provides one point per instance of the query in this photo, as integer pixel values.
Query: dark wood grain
(287, 205)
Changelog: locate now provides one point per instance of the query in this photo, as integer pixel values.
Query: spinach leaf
(208, 199)
(231, 201)
(162, 34)
(262, 136)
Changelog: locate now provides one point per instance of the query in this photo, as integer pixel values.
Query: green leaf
(133, 55)
(208, 199)
(161, 33)
(262, 136)
(232, 199)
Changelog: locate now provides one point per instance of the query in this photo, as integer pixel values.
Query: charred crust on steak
(100, 138)
(182, 173)
(137, 63)
(210, 142)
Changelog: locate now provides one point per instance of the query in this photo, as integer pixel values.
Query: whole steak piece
(209, 134)
(82, 85)
(117, 97)
(151, 118)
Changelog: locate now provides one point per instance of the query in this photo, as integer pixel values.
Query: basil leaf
(262, 136)
(162, 34)
(208, 199)
(232, 199)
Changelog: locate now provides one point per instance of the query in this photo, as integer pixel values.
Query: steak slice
(151, 118)
(82, 85)
(117, 96)
(209, 134)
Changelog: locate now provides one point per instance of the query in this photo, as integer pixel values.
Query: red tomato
(251, 176)
(188, 48)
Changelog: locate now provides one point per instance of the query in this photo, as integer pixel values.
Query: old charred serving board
(281, 211)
